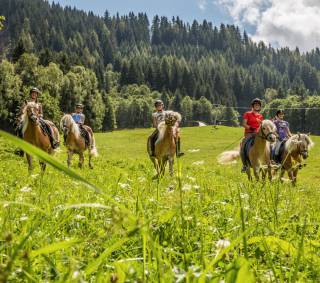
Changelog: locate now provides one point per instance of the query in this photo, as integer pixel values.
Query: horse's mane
(268, 123)
(24, 115)
(162, 125)
(293, 141)
(68, 121)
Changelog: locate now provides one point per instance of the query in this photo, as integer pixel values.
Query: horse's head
(32, 110)
(304, 143)
(268, 130)
(171, 118)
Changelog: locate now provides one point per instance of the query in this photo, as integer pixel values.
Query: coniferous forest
(116, 65)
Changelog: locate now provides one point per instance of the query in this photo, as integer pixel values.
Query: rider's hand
(252, 129)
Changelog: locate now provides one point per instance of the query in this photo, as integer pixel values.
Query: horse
(34, 134)
(165, 145)
(75, 142)
(295, 149)
(258, 153)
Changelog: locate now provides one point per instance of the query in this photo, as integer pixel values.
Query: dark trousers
(246, 137)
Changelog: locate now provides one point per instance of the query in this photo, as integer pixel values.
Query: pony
(33, 133)
(295, 149)
(165, 145)
(258, 153)
(75, 142)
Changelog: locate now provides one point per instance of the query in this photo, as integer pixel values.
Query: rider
(251, 123)
(157, 117)
(34, 94)
(282, 130)
(79, 118)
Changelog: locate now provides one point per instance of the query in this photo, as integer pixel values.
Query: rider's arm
(245, 125)
(40, 111)
(154, 121)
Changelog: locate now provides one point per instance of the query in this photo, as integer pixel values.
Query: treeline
(127, 107)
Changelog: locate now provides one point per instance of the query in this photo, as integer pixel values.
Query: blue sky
(187, 10)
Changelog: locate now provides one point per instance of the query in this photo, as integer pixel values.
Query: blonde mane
(293, 142)
(67, 121)
(24, 119)
(163, 126)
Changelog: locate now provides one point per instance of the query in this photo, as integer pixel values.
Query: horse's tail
(228, 157)
(93, 150)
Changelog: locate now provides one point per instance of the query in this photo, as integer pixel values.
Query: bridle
(266, 136)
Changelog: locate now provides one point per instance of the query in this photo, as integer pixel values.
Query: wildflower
(222, 244)
(23, 218)
(79, 216)
(192, 179)
(197, 187)
(200, 162)
(186, 187)
(124, 185)
(34, 176)
(25, 189)
(75, 274)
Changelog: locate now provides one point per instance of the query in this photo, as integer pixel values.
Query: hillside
(56, 229)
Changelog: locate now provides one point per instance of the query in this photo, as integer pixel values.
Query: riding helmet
(34, 89)
(79, 105)
(158, 102)
(256, 101)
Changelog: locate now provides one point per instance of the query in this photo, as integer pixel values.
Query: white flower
(141, 179)
(34, 176)
(200, 162)
(186, 187)
(192, 179)
(222, 244)
(23, 218)
(244, 195)
(79, 216)
(196, 187)
(124, 185)
(25, 189)
(194, 150)
(75, 274)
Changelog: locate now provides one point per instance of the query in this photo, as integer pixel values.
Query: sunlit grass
(55, 228)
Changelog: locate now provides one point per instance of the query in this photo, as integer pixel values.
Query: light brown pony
(165, 145)
(32, 132)
(296, 149)
(259, 153)
(75, 143)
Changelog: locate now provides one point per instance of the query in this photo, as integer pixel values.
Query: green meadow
(205, 224)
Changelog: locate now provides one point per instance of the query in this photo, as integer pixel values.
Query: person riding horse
(34, 93)
(283, 132)
(157, 117)
(251, 123)
(79, 118)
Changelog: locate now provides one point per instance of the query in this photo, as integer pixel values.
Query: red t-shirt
(253, 120)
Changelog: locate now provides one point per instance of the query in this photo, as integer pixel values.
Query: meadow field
(205, 224)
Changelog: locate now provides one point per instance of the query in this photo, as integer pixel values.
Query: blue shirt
(78, 118)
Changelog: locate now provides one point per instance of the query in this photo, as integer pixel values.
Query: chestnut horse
(75, 142)
(296, 148)
(165, 145)
(259, 153)
(32, 132)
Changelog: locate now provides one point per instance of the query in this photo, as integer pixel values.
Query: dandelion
(25, 189)
(200, 162)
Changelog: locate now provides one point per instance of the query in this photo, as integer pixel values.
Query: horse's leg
(81, 159)
(43, 166)
(29, 159)
(90, 156)
(294, 174)
(263, 174)
(256, 172)
(171, 161)
(248, 171)
(70, 153)
(163, 166)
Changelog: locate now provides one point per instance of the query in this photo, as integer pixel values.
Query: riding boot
(243, 159)
(152, 147)
(178, 146)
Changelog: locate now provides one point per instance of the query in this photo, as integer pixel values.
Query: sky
(292, 23)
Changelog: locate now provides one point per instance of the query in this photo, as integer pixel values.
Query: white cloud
(279, 22)
(202, 4)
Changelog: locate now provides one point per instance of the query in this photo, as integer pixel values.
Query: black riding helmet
(34, 89)
(256, 101)
(79, 105)
(158, 102)
(279, 111)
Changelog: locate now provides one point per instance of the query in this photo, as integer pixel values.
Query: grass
(135, 229)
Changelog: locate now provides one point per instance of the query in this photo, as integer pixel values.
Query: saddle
(246, 148)
(84, 132)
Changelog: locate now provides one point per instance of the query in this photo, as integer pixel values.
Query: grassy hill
(55, 229)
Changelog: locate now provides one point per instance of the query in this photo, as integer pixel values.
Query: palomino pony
(296, 148)
(259, 153)
(75, 143)
(32, 132)
(165, 145)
